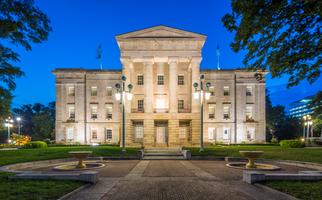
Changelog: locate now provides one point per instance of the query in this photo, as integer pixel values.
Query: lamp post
(307, 124)
(201, 94)
(8, 124)
(121, 95)
(18, 120)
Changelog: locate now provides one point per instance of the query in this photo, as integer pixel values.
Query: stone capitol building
(162, 64)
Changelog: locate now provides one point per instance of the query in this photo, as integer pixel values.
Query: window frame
(68, 134)
(109, 91)
(107, 134)
(212, 115)
(94, 91)
(139, 80)
(180, 79)
(69, 111)
(71, 94)
(160, 79)
(92, 114)
(109, 115)
(228, 112)
(224, 135)
(181, 104)
(226, 91)
(140, 108)
(94, 130)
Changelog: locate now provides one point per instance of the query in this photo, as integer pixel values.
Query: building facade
(300, 108)
(161, 63)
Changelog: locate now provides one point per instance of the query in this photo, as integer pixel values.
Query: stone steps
(168, 153)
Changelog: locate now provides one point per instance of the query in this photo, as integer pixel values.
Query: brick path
(140, 180)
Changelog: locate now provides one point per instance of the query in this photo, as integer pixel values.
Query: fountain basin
(251, 156)
(81, 156)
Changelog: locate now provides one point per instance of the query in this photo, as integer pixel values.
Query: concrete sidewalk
(167, 179)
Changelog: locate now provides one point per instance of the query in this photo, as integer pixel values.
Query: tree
(38, 120)
(284, 36)
(278, 124)
(22, 23)
(316, 105)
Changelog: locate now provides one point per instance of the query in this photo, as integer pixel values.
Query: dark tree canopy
(21, 24)
(283, 36)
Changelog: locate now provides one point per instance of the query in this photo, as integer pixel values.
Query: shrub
(35, 144)
(292, 143)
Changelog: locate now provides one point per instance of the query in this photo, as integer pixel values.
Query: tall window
(250, 134)
(212, 90)
(109, 91)
(160, 80)
(71, 111)
(180, 104)
(249, 113)
(140, 80)
(249, 91)
(183, 130)
(180, 80)
(109, 134)
(94, 111)
(71, 91)
(70, 134)
(94, 91)
(226, 133)
(109, 110)
(226, 90)
(140, 105)
(211, 134)
(138, 130)
(94, 134)
(211, 110)
(226, 112)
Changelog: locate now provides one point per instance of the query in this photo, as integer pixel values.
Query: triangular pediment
(160, 32)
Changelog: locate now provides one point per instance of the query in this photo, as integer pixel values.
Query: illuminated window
(138, 130)
(71, 91)
(226, 90)
(109, 134)
(140, 80)
(70, 134)
(211, 134)
(109, 91)
(211, 110)
(226, 133)
(249, 91)
(160, 80)
(109, 110)
(180, 104)
(180, 80)
(94, 111)
(94, 91)
(140, 105)
(249, 112)
(71, 111)
(226, 110)
(94, 134)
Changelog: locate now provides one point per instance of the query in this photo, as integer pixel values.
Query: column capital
(148, 60)
(126, 60)
(196, 60)
(174, 60)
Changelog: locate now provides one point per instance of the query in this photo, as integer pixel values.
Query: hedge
(36, 144)
(292, 143)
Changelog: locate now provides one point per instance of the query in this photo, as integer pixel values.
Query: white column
(173, 76)
(148, 86)
(195, 78)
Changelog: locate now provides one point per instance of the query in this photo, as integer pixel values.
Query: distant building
(300, 107)
(162, 63)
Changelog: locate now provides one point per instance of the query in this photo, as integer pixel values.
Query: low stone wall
(255, 176)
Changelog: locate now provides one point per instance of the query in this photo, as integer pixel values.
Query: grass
(26, 155)
(34, 189)
(306, 190)
(270, 152)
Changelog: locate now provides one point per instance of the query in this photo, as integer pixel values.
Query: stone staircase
(166, 153)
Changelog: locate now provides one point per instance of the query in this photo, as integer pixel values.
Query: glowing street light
(308, 125)
(121, 95)
(9, 124)
(203, 95)
(19, 125)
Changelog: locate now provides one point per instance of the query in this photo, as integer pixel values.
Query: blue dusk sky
(79, 26)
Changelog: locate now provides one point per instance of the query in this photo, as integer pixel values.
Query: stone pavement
(173, 179)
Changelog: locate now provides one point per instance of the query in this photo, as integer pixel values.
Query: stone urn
(81, 156)
(251, 156)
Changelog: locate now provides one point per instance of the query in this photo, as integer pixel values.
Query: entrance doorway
(161, 133)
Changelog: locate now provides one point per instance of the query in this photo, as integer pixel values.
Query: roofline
(82, 70)
(119, 35)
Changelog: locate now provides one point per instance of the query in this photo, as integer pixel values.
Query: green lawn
(25, 155)
(34, 189)
(306, 190)
(271, 152)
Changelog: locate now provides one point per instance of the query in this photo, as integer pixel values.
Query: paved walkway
(137, 180)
